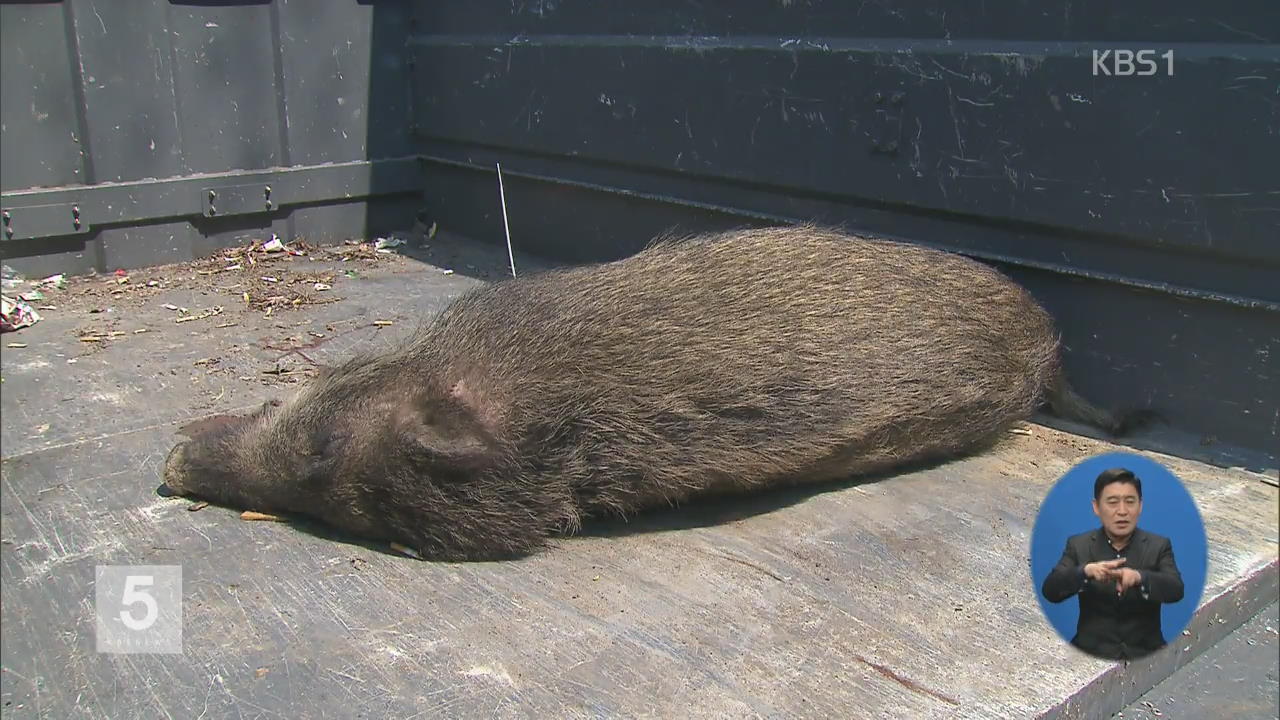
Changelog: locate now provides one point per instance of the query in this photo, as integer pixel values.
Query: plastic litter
(59, 281)
(16, 314)
(384, 244)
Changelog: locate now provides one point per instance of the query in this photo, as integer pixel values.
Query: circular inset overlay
(1166, 510)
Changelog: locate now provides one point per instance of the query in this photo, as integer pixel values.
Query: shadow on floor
(704, 511)
(711, 510)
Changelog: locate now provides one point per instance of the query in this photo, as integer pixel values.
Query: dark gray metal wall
(125, 114)
(1143, 210)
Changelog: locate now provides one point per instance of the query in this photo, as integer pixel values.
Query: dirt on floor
(266, 277)
(256, 288)
(268, 313)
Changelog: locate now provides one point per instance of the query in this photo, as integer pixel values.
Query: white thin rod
(505, 225)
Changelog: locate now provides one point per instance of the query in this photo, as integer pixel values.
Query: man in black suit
(1121, 574)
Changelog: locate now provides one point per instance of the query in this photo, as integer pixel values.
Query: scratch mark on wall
(100, 21)
(949, 71)
(1023, 64)
(955, 120)
(1148, 126)
(914, 69)
(915, 144)
(1194, 196)
(1242, 33)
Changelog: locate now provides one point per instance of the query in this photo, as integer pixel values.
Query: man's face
(1118, 508)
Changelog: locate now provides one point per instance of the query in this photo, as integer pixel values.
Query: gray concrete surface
(905, 597)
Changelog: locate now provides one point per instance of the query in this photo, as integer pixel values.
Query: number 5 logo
(138, 608)
(132, 596)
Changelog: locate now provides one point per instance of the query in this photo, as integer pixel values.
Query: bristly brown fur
(724, 362)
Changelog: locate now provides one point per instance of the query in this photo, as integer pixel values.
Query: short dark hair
(1116, 475)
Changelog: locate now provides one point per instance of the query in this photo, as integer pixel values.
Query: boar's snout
(174, 472)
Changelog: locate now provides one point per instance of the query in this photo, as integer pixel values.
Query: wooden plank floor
(903, 597)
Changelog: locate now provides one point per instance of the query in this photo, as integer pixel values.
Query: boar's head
(378, 451)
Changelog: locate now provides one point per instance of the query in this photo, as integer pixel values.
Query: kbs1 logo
(1130, 62)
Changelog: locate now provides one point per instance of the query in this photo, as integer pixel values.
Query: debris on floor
(58, 281)
(267, 277)
(17, 314)
(200, 315)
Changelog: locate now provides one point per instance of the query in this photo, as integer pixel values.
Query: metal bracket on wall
(52, 212)
(23, 222)
(226, 200)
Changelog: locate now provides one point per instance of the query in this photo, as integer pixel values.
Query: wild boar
(724, 362)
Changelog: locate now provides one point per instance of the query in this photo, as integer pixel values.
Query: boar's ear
(214, 423)
(449, 436)
(455, 448)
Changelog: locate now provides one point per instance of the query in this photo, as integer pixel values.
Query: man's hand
(1127, 578)
(1104, 571)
